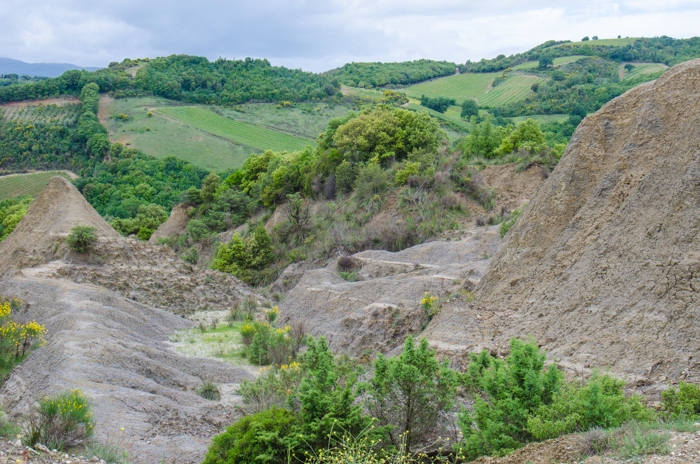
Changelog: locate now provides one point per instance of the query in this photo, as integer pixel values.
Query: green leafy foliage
(261, 437)
(506, 393)
(600, 402)
(245, 258)
(12, 211)
(439, 104)
(147, 220)
(82, 238)
(381, 74)
(408, 393)
(506, 225)
(682, 402)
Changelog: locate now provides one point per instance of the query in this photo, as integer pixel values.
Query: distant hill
(10, 66)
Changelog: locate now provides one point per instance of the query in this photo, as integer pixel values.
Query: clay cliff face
(604, 264)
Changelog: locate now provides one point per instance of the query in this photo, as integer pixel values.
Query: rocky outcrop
(377, 312)
(175, 226)
(603, 266)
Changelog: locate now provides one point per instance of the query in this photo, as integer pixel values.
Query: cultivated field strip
(236, 131)
(556, 62)
(16, 185)
(47, 113)
(514, 89)
(459, 87)
(642, 68)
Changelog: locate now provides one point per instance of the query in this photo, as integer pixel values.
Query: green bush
(506, 393)
(506, 225)
(601, 402)
(261, 437)
(238, 255)
(62, 421)
(410, 392)
(190, 255)
(683, 402)
(82, 238)
(410, 169)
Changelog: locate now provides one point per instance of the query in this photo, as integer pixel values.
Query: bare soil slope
(603, 267)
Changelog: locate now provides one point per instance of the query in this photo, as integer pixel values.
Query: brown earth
(176, 224)
(602, 267)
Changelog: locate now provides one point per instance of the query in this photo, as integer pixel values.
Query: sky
(321, 35)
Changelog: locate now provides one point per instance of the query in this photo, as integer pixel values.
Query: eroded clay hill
(145, 272)
(603, 267)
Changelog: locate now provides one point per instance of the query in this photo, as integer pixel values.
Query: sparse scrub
(209, 390)
(506, 225)
(349, 276)
(17, 339)
(61, 421)
(82, 238)
(635, 441)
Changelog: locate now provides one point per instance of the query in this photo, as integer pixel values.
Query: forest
(391, 74)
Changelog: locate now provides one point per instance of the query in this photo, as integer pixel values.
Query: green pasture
(169, 137)
(515, 88)
(542, 118)
(458, 86)
(26, 184)
(601, 42)
(241, 132)
(562, 60)
(641, 68)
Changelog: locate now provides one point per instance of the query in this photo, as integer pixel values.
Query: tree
(585, 39)
(527, 136)
(595, 37)
(469, 109)
(297, 212)
(545, 61)
(209, 186)
(629, 67)
(410, 392)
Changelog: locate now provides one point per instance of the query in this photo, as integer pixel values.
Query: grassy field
(169, 135)
(476, 86)
(606, 42)
(244, 133)
(641, 68)
(26, 184)
(515, 88)
(542, 118)
(556, 62)
(459, 87)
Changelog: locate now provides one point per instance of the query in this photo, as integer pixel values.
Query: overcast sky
(324, 34)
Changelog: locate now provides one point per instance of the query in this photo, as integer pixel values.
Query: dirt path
(60, 101)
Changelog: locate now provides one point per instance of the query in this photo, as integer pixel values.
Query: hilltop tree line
(187, 78)
(391, 74)
(666, 50)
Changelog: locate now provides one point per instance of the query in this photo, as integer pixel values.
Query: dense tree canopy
(381, 74)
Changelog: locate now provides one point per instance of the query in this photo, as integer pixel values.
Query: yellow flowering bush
(17, 339)
(430, 304)
(61, 421)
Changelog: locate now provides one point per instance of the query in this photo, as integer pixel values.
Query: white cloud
(320, 35)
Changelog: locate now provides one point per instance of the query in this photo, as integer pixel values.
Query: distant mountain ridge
(10, 66)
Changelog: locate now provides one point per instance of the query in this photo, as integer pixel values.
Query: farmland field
(16, 185)
(641, 68)
(64, 114)
(542, 118)
(459, 87)
(238, 131)
(171, 136)
(556, 62)
(476, 86)
(515, 88)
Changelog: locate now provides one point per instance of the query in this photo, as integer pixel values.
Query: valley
(227, 261)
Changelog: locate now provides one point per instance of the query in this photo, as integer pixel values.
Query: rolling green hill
(237, 131)
(478, 87)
